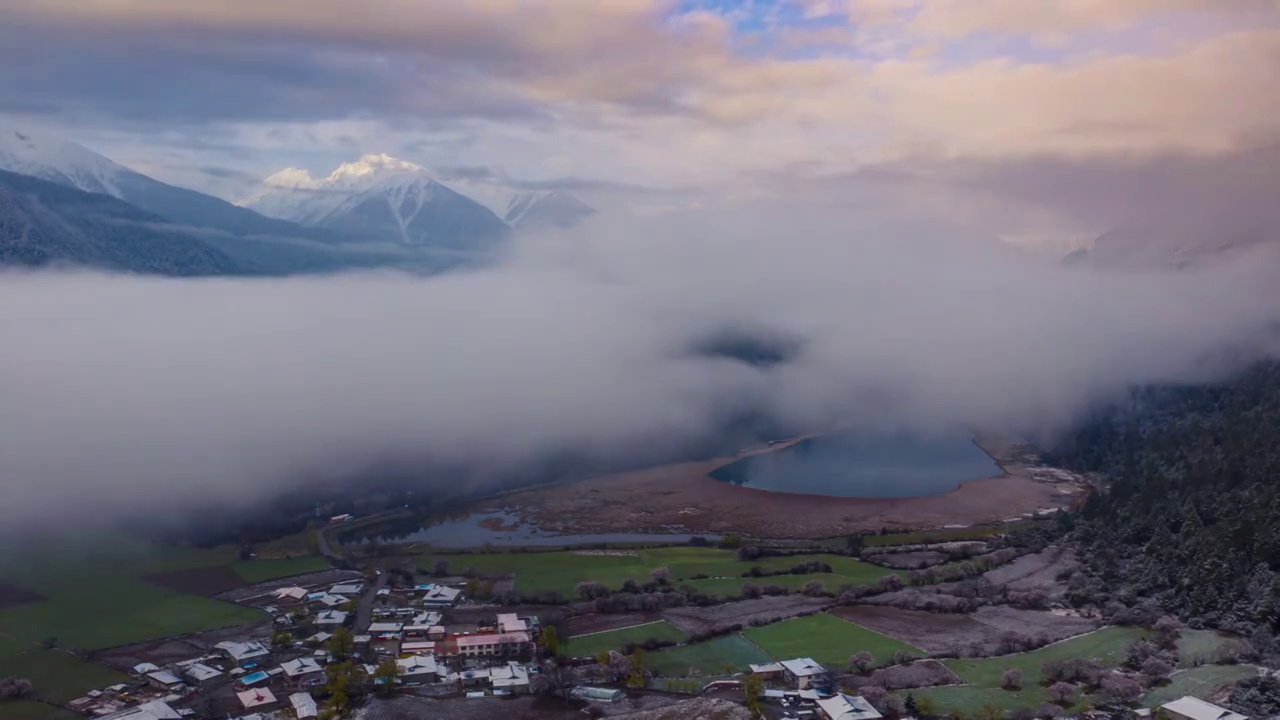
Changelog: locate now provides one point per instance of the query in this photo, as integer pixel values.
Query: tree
(813, 588)
(1048, 711)
(1011, 679)
(1168, 630)
(589, 589)
(926, 707)
(990, 712)
(386, 674)
(751, 591)
(862, 662)
(1155, 668)
(853, 544)
(282, 640)
(875, 695)
(893, 706)
(660, 575)
(344, 679)
(550, 641)
(342, 644)
(15, 687)
(441, 567)
(638, 676)
(902, 657)
(1120, 688)
(753, 687)
(1061, 692)
(731, 542)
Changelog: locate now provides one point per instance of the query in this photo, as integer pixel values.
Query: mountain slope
(45, 223)
(555, 209)
(381, 199)
(74, 166)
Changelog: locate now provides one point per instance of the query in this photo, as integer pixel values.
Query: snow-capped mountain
(72, 165)
(540, 210)
(50, 223)
(381, 198)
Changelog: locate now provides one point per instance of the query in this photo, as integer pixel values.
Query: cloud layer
(124, 392)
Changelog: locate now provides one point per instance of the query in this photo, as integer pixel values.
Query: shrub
(1011, 679)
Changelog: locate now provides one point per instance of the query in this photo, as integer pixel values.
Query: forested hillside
(1192, 518)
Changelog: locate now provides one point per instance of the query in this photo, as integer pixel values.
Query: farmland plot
(762, 610)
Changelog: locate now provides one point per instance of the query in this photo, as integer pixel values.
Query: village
(393, 638)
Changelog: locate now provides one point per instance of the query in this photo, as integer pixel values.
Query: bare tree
(15, 687)
(875, 695)
(1120, 688)
(1060, 692)
(862, 662)
(1155, 668)
(441, 567)
(660, 575)
(1011, 679)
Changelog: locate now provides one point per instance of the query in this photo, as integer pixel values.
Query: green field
(825, 638)
(1201, 647)
(32, 710)
(724, 655)
(255, 571)
(1202, 682)
(57, 676)
(983, 676)
(95, 596)
(600, 642)
(561, 571)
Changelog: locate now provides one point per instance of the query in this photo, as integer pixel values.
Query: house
(351, 588)
(327, 600)
(304, 706)
(260, 700)
(803, 672)
(509, 679)
(847, 707)
(595, 694)
(164, 680)
(320, 637)
(489, 644)
(202, 675)
(383, 628)
(510, 622)
(421, 623)
(331, 618)
(344, 517)
(417, 669)
(145, 668)
(438, 595)
(303, 672)
(293, 594)
(242, 652)
(418, 647)
(768, 671)
(1193, 708)
(154, 710)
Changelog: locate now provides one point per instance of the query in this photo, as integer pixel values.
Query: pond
(894, 466)
(505, 529)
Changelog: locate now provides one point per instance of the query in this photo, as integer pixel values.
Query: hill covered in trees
(1191, 521)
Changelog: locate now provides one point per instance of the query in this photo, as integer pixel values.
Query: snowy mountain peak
(59, 161)
(551, 209)
(369, 165)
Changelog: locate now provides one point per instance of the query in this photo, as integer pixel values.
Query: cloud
(123, 392)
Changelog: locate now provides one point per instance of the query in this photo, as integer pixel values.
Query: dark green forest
(1191, 521)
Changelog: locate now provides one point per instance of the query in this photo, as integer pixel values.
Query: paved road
(364, 608)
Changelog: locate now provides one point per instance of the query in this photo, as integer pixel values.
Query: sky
(1010, 103)
(832, 172)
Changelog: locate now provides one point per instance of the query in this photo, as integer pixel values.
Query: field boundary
(927, 654)
(628, 627)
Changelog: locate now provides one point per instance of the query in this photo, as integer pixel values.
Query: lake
(895, 466)
(478, 529)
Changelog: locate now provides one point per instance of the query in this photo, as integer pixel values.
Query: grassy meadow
(825, 638)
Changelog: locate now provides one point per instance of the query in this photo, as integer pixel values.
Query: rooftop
(848, 707)
(242, 650)
(165, 677)
(256, 698)
(803, 667)
(304, 706)
(1198, 709)
(301, 666)
(201, 672)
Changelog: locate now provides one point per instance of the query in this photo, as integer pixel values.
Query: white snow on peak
(369, 165)
(60, 161)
